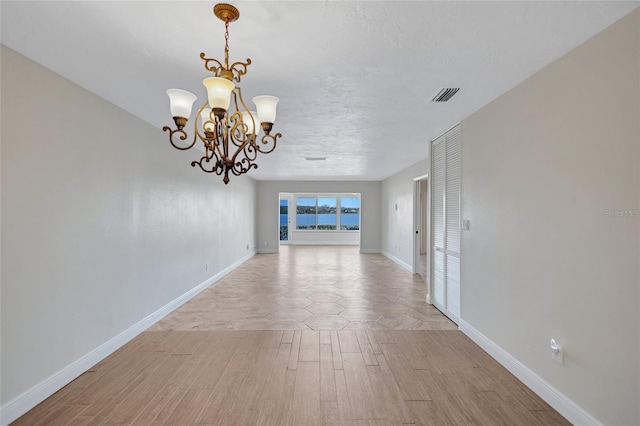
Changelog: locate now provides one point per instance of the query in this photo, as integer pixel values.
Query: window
(327, 217)
(284, 220)
(328, 213)
(350, 213)
(306, 213)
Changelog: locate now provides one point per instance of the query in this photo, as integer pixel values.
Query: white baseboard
(38, 393)
(569, 409)
(323, 243)
(398, 261)
(429, 299)
(369, 251)
(267, 251)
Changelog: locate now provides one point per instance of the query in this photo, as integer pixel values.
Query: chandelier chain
(226, 44)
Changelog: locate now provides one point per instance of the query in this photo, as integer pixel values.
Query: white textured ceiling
(354, 78)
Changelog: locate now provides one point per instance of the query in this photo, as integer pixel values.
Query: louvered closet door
(437, 223)
(445, 223)
(452, 215)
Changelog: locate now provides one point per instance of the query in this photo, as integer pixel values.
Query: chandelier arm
(238, 134)
(250, 151)
(239, 127)
(183, 136)
(242, 167)
(234, 137)
(239, 69)
(242, 156)
(242, 148)
(267, 140)
(246, 108)
(217, 165)
(211, 64)
(203, 138)
(235, 94)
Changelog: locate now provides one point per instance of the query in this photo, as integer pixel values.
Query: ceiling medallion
(228, 130)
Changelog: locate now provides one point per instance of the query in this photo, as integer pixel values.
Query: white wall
(103, 223)
(543, 168)
(397, 225)
(324, 237)
(269, 210)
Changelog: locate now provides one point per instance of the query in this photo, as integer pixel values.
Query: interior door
(445, 223)
(452, 223)
(437, 223)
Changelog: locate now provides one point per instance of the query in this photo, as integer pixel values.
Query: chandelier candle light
(230, 137)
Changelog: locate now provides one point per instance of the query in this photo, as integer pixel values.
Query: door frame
(417, 227)
(289, 197)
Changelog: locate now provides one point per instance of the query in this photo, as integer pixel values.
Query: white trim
(429, 298)
(569, 409)
(405, 265)
(370, 251)
(416, 226)
(423, 177)
(41, 391)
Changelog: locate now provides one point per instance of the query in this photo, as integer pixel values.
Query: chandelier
(224, 124)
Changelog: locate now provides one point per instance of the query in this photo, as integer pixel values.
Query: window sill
(326, 230)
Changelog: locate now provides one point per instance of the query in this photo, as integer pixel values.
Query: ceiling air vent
(444, 94)
(315, 158)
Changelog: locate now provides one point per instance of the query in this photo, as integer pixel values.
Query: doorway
(421, 242)
(285, 218)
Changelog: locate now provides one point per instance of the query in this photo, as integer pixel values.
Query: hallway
(312, 288)
(314, 335)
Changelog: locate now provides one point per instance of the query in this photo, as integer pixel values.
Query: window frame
(338, 197)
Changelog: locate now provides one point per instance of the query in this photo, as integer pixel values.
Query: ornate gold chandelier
(230, 136)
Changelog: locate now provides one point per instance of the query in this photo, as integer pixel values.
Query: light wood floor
(366, 376)
(312, 288)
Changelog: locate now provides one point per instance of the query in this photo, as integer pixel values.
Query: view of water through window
(322, 213)
(284, 220)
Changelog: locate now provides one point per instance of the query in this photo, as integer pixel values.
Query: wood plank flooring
(312, 336)
(264, 377)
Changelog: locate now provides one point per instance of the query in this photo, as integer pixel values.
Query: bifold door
(445, 223)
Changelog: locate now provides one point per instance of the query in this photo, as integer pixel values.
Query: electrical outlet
(556, 352)
(247, 246)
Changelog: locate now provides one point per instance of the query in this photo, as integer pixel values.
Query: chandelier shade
(181, 102)
(224, 125)
(266, 106)
(219, 92)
